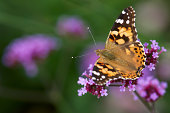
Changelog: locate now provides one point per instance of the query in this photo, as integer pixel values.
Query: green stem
(147, 105)
(153, 107)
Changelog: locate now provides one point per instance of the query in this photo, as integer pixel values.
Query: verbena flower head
(152, 54)
(150, 88)
(99, 90)
(26, 50)
(71, 26)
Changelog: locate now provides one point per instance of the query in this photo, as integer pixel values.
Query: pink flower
(122, 88)
(131, 87)
(82, 91)
(71, 26)
(151, 66)
(26, 50)
(150, 88)
(104, 92)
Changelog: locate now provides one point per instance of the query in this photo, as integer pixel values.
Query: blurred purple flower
(150, 88)
(71, 26)
(26, 50)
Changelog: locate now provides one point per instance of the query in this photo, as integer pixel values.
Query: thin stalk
(153, 107)
(147, 105)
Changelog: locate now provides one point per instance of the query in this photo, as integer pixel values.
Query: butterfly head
(98, 52)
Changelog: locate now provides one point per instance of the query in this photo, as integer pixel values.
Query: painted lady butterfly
(123, 56)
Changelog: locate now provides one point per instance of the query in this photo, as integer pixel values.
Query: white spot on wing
(134, 19)
(96, 73)
(127, 22)
(93, 78)
(103, 77)
(119, 21)
(123, 12)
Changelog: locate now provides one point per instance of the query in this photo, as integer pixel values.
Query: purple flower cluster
(150, 88)
(152, 54)
(71, 26)
(26, 50)
(90, 86)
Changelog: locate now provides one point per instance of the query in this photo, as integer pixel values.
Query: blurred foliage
(54, 89)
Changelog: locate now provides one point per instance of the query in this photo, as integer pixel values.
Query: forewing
(123, 30)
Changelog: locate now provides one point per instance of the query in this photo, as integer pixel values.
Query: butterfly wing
(103, 72)
(123, 30)
(122, 41)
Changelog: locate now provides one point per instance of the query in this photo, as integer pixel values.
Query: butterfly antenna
(88, 28)
(80, 56)
(93, 41)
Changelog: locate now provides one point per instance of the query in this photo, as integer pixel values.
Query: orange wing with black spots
(123, 56)
(123, 30)
(103, 72)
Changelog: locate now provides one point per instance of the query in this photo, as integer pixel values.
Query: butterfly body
(123, 56)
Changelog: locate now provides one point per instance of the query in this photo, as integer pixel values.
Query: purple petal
(122, 88)
(155, 55)
(104, 92)
(131, 87)
(154, 96)
(151, 66)
(164, 84)
(145, 44)
(82, 81)
(163, 49)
